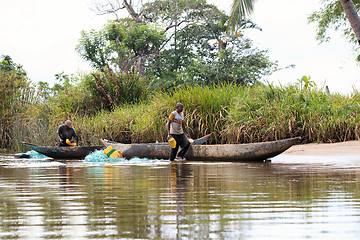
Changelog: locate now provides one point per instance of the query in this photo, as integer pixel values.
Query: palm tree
(352, 16)
(239, 9)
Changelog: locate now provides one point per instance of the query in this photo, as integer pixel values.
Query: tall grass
(205, 110)
(269, 113)
(15, 96)
(113, 89)
(234, 113)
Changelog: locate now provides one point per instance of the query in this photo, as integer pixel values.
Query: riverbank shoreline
(339, 148)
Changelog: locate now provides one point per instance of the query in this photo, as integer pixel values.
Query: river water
(291, 197)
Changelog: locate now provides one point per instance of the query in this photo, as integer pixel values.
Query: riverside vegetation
(235, 113)
(161, 54)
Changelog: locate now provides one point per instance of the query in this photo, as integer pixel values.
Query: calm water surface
(292, 197)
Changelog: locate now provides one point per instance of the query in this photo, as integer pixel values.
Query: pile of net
(99, 156)
(34, 154)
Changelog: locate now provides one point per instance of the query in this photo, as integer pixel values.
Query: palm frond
(239, 10)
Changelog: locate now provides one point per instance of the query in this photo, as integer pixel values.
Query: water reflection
(180, 201)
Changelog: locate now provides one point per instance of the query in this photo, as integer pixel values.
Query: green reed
(236, 114)
(269, 113)
(205, 110)
(16, 95)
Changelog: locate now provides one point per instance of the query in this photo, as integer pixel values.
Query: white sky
(42, 35)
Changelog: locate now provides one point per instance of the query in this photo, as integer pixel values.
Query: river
(291, 197)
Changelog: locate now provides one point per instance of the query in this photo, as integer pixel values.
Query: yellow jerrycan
(70, 143)
(112, 153)
(172, 142)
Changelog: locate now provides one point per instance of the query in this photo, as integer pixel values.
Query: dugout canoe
(63, 152)
(220, 152)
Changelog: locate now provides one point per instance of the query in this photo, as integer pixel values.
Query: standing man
(176, 129)
(66, 131)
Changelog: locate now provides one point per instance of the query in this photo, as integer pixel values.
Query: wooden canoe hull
(220, 152)
(63, 152)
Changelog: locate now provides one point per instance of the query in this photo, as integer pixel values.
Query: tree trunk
(353, 17)
(141, 66)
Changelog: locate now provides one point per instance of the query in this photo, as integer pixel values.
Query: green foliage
(120, 44)
(73, 100)
(205, 54)
(205, 108)
(7, 65)
(110, 89)
(44, 91)
(177, 44)
(239, 10)
(305, 83)
(236, 114)
(16, 95)
(185, 12)
(238, 64)
(93, 48)
(140, 39)
(332, 16)
(269, 113)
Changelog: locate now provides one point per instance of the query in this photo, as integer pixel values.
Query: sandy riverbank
(341, 148)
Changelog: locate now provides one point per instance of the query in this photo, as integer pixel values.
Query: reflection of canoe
(63, 152)
(220, 152)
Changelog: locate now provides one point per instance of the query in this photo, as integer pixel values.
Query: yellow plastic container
(70, 143)
(112, 153)
(172, 142)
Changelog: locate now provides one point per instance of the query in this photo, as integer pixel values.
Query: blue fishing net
(99, 156)
(34, 154)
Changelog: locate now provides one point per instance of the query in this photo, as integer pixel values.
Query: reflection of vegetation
(53, 214)
(168, 201)
(139, 203)
(10, 217)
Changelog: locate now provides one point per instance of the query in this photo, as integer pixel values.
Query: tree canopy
(175, 43)
(332, 16)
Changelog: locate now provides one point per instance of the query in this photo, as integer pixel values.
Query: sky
(42, 35)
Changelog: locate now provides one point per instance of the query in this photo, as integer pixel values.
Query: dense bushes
(118, 107)
(111, 89)
(15, 96)
(236, 114)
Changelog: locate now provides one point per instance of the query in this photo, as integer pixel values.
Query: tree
(93, 47)
(353, 17)
(175, 42)
(168, 15)
(208, 55)
(8, 65)
(239, 10)
(122, 44)
(332, 16)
